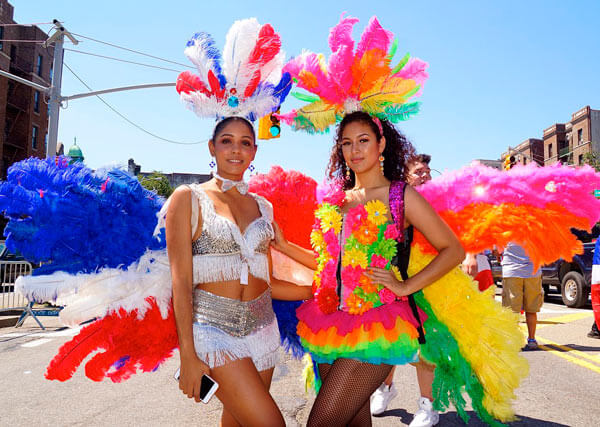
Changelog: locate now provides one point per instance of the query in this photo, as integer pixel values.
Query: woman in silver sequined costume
(218, 239)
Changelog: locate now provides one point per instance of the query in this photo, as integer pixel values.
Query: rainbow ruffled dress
(471, 339)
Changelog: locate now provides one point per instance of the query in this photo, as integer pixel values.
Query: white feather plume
(86, 296)
(239, 43)
(198, 53)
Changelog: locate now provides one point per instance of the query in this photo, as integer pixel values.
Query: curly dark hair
(221, 126)
(398, 150)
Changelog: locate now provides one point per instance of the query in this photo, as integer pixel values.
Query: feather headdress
(360, 78)
(246, 81)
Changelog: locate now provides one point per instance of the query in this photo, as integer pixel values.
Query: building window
(36, 101)
(34, 137)
(46, 143)
(579, 136)
(51, 72)
(39, 65)
(580, 159)
(1, 37)
(13, 52)
(550, 155)
(524, 160)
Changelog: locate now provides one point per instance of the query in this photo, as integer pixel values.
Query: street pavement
(562, 389)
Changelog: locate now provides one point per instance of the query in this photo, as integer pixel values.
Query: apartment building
(23, 110)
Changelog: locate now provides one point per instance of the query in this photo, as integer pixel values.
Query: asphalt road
(563, 387)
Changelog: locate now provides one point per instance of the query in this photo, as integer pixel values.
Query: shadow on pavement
(583, 347)
(452, 419)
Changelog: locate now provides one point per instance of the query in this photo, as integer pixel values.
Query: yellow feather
(386, 91)
(321, 115)
(487, 333)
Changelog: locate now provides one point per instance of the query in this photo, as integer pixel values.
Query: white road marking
(63, 333)
(36, 342)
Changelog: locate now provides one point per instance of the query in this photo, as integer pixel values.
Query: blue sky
(500, 72)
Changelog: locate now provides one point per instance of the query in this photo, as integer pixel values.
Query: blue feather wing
(73, 219)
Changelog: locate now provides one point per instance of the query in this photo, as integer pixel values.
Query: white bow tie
(228, 184)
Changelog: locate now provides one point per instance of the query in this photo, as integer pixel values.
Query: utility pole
(54, 102)
(54, 91)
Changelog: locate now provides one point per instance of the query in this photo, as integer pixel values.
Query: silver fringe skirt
(227, 329)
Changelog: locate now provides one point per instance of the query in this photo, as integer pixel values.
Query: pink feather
(340, 62)
(374, 37)
(309, 62)
(415, 69)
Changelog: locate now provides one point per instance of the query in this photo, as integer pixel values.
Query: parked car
(495, 266)
(573, 279)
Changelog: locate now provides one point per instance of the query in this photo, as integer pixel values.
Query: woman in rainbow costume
(372, 307)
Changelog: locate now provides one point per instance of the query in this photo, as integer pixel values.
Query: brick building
(530, 150)
(23, 110)
(566, 143)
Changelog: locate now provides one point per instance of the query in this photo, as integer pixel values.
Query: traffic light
(269, 126)
(509, 162)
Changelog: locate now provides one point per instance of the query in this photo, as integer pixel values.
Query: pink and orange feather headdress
(355, 79)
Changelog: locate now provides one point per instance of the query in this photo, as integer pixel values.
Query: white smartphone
(208, 386)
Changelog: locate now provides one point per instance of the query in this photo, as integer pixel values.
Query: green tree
(593, 159)
(158, 183)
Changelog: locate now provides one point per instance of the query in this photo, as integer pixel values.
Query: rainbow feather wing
(532, 206)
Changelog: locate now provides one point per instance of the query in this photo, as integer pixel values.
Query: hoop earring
(381, 159)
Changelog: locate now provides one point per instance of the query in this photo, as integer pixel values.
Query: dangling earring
(212, 165)
(251, 168)
(381, 159)
(347, 172)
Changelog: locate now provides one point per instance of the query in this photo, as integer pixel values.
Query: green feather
(401, 64)
(393, 49)
(304, 97)
(397, 113)
(453, 373)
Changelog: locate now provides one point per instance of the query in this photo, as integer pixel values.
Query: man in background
(522, 288)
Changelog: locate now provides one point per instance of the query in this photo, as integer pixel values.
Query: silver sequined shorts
(227, 329)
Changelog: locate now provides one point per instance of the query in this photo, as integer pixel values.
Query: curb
(8, 321)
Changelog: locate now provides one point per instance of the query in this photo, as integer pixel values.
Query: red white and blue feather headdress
(245, 81)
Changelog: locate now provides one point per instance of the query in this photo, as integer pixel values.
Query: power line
(128, 120)
(133, 51)
(121, 60)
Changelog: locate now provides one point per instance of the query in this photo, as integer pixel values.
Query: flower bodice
(347, 245)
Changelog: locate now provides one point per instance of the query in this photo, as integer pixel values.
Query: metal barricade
(9, 271)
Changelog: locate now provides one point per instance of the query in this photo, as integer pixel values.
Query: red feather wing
(129, 344)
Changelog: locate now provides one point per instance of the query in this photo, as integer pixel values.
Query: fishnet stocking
(344, 396)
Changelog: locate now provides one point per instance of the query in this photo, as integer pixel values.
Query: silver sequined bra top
(223, 252)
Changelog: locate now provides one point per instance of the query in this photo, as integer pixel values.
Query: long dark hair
(221, 126)
(398, 150)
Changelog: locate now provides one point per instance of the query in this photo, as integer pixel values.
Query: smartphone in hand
(208, 386)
